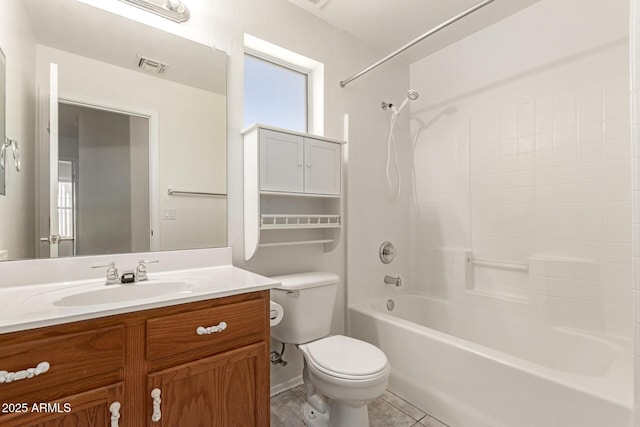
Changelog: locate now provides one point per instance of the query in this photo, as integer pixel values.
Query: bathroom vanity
(198, 356)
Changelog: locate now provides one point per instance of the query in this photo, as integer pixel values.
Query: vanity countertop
(34, 306)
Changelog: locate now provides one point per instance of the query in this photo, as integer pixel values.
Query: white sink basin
(124, 293)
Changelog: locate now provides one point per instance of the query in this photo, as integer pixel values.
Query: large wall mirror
(129, 148)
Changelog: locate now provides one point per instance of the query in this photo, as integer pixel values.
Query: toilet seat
(346, 358)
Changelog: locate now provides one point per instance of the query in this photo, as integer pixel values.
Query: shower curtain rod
(434, 30)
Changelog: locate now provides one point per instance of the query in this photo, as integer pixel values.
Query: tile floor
(386, 411)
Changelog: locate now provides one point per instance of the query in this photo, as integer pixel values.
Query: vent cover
(152, 66)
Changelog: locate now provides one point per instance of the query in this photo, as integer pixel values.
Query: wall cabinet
(203, 363)
(299, 164)
(292, 181)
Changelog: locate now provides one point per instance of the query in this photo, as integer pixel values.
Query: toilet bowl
(342, 374)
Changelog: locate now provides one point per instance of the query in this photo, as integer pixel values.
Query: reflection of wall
(17, 225)
(140, 221)
(104, 193)
(533, 167)
(192, 142)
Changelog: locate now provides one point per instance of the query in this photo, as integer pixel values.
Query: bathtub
(474, 365)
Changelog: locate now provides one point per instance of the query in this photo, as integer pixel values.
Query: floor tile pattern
(387, 411)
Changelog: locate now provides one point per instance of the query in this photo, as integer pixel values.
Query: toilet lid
(345, 356)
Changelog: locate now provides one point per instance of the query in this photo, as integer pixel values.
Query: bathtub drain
(390, 304)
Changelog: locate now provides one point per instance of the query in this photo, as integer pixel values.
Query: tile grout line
(399, 409)
(417, 421)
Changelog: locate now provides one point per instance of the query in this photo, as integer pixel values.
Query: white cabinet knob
(115, 413)
(157, 413)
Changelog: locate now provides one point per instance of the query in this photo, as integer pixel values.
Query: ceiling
(389, 24)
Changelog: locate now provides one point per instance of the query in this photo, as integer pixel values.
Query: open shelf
(293, 221)
(311, 195)
(297, 242)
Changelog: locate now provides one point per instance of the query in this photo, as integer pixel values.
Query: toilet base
(341, 416)
(348, 416)
(313, 418)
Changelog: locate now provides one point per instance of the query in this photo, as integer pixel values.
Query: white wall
(635, 185)
(523, 156)
(17, 228)
(192, 142)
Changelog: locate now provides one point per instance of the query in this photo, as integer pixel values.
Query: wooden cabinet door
(281, 162)
(230, 389)
(323, 167)
(90, 409)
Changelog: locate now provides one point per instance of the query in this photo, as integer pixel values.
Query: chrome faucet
(390, 280)
(112, 273)
(128, 276)
(141, 270)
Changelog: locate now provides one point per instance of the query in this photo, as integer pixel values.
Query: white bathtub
(471, 366)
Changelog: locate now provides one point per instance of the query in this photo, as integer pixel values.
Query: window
(275, 95)
(66, 199)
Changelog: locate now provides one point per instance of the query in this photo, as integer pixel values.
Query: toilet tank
(308, 300)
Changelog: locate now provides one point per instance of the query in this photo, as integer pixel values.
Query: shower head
(412, 95)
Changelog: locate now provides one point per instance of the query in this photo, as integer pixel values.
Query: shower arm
(417, 40)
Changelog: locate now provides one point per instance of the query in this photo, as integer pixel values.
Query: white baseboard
(293, 382)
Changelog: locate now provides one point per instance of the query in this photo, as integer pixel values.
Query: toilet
(342, 374)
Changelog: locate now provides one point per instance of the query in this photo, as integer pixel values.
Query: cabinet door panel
(230, 389)
(281, 161)
(323, 167)
(89, 409)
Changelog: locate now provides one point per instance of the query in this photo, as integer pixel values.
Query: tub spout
(390, 280)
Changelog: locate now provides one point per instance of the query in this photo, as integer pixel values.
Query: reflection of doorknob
(53, 239)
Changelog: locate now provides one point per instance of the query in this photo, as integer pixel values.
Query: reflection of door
(110, 196)
(53, 237)
(110, 151)
(51, 227)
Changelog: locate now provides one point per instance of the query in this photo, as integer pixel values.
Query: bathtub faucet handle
(390, 280)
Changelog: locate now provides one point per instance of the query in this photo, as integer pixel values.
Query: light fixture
(175, 10)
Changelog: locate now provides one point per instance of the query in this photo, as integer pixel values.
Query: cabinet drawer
(173, 336)
(77, 362)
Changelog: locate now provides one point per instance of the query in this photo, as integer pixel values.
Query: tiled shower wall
(374, 215)
(522, 157)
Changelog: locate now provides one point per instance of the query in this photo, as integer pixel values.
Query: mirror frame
(3, 123)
